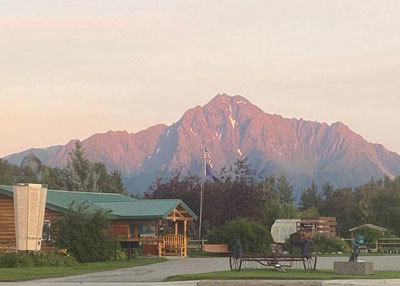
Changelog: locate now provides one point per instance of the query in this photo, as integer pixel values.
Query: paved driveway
(151, 273)
(160, 271)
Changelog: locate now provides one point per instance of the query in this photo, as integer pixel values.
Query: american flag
(209, 166)
(207, 157)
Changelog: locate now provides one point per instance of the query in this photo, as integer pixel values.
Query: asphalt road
(158, 272)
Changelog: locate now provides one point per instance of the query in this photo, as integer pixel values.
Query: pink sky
(71, 69)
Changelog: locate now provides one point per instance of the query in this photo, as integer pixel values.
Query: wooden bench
(216, 248)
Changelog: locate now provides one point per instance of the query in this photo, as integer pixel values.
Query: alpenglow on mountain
(232, 127)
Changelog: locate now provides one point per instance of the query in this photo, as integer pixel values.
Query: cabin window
(147, 228)
(46, 230)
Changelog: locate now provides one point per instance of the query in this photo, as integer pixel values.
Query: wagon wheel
(235, 257)
(310, 261)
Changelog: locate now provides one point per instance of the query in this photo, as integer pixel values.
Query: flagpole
(202, 190)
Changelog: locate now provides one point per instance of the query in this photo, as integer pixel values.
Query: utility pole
(202, 189)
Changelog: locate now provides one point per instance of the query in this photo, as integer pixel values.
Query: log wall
(7, 231)
(52, 216)
(121, 228)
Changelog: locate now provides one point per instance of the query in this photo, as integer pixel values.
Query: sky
(69, 69)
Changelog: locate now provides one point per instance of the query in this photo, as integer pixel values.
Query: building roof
(121, 207)
(371, 226)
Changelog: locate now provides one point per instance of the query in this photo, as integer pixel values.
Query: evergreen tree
(386, 206)
(115, 183)
(311, 212)
(104, 178)
(310, 197)
(285, 191)
(26, 175)
(366, 196)
(343, 205)
(52, 177)
(80, 174)
(7, 172)
(327, 190)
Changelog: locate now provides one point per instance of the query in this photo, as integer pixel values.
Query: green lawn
(199, 254)
(274, 274)
(195, 254)
(15, 274)
(361, 254)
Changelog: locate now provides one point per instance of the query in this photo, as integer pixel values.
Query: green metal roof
(121, 207)
(159, 208)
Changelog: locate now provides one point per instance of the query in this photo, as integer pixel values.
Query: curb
(344, 282)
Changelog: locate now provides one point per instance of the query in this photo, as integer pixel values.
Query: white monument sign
(29, 208)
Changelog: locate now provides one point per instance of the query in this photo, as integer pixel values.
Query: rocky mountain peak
(232, 127)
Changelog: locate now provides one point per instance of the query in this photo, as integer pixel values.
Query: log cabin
(137, 221)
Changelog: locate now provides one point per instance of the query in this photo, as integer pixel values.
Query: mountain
(232, 127)
(44, 154)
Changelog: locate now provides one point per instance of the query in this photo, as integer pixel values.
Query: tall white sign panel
(29, 208)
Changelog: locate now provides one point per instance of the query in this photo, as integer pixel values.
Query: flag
(209, 170)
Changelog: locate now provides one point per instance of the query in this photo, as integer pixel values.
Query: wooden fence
(389, 245)
(196, 245)
(203, 246)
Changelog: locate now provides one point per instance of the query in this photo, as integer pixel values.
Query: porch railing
(174, 244)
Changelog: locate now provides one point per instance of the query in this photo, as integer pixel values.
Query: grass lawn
(274, 274)
(15, 274)
(361, 254)
(207, 254)
(199, 254)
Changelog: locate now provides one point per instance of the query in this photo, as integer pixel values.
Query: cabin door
(133, 230)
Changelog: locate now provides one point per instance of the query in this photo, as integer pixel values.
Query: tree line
(80, 174)
(238, 194)
(376, 202)
(241, 194)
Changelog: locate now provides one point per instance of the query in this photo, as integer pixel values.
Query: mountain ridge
(232, 127)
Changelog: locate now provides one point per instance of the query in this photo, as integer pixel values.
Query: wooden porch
(150, 237)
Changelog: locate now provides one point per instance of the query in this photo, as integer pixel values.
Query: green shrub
(254, 237)
(53, 260)
(86, 235)
(31, 259)
(136, 251)
(8, 260)
(328, 245)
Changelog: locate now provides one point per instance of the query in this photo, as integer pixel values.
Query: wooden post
(129, 252)
(185, 237)
(159, 248)
(176, 227)
(185, 246)
(202, 189)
